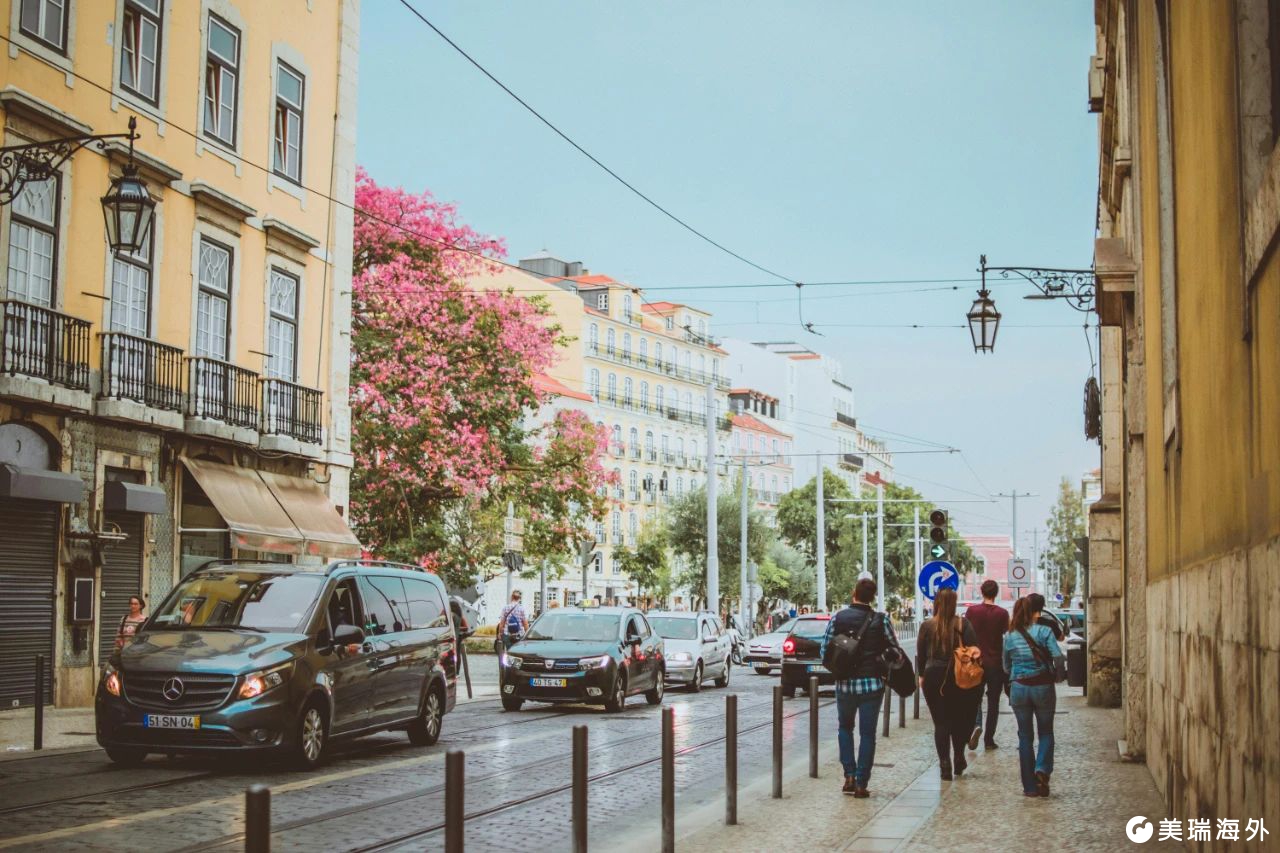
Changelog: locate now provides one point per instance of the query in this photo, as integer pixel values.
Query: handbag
(841, 655)
(902, 676)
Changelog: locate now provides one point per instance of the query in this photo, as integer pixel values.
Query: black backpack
(841, 655)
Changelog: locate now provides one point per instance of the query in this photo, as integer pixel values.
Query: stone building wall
(1213, 725)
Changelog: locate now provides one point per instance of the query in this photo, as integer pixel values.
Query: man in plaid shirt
(858, 699)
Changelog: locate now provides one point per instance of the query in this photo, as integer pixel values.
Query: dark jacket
(927, 657)
(874, 643)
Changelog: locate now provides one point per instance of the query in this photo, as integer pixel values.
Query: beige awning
(324, 532)
(274, 512)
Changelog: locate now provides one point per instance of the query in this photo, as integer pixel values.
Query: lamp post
(1078, 287)
(127, 207)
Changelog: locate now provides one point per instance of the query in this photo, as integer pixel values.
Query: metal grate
(200, 691)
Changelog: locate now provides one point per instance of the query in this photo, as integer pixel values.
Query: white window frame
(271, 370)
(54, 228)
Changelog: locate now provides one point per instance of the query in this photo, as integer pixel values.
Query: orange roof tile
(748, 422)
(661, 306)
(804, 356)
(544, 384)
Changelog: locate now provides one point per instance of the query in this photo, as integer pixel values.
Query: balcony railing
(635, 451)
(141, 370)
(650, 454)
(852, 460)
(44, 344)
(661, 366)
(848, 420)
(222, 392)
(291, 409)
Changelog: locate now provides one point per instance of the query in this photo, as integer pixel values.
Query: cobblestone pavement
(381, 790)
(1094, 795)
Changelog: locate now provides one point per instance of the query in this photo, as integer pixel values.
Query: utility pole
(743, 604)
(865, 544)
(511, 522)
(917, 551)
(880, 545)
(1014, 497)
(713, 529)
(820, 547)
(1035, 556)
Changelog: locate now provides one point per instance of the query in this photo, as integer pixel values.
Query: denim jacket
(1019, 662)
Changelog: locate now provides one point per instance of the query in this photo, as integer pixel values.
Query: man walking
(859, 697)
(513, 621)
(990, 622)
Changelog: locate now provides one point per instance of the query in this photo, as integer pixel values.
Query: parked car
(697, 648)
(255, 657)
(597, 655)
(802, 654)
(764, 652)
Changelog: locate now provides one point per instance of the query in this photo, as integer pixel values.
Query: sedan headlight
(680, 657)
(512, 661)
(594, 663)
(111, 680)
(257, 683)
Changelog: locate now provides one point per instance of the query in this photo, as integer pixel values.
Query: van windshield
(259, 601)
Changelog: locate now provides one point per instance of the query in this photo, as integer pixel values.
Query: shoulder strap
(1039, 652)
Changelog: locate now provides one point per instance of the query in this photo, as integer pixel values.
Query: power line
(558, 132)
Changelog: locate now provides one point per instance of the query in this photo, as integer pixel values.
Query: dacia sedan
(597, 655)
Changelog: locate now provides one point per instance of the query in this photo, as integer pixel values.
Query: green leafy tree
(647, 563)
(1066, 524)
(687, 532)
(797, 522)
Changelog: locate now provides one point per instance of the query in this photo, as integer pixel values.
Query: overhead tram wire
(584, 152)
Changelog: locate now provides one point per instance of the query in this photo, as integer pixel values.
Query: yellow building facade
(1185, 540)
(189, 400)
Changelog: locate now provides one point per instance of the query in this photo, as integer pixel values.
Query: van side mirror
(346, 635)
(633, 639)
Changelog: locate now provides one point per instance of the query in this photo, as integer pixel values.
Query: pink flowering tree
(441, 382)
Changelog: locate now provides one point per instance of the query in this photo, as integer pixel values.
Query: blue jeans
(863, 709)
(1033, 704)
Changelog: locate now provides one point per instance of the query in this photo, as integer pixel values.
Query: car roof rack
(385, 564)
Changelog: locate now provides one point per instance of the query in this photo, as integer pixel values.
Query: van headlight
(257, 683)
(111, 680)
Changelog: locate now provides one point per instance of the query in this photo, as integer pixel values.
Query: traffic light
(938, 534)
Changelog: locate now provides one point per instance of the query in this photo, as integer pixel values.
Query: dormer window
(602, 301)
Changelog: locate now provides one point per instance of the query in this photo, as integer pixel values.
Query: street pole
(880, 545)
(511, 514)
(542, 587)
(1014, 497)
(917, 551)
(713, 529)
(742, 552)
(865, 543)
(1035, 557)
(820, 547)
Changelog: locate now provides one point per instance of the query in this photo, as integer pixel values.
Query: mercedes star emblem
(173, 689)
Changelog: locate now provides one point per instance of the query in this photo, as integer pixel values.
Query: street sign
(1058, 596)
(1019, 573)
(938, 552)
(937, 575)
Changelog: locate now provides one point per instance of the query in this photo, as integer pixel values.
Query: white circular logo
(1139, 829)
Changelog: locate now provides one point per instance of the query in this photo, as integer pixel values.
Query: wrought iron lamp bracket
(1078, 287)
(38, 161)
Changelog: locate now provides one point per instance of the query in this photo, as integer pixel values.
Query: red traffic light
(938, 518)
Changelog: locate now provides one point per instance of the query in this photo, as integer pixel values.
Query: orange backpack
(968, 664)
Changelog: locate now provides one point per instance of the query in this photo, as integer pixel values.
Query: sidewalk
(63, 728)
(911, 809)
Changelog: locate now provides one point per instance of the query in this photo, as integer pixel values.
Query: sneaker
(850, 787)
(974, 738)
(1042, 783)
(990, 745)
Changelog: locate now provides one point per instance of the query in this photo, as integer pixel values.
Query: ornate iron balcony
(222, 392)
(141, 370)
(44, 344)
(291, 409)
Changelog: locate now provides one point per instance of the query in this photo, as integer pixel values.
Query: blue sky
(829, 141)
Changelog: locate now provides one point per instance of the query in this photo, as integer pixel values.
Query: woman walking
(130, 622)
(1029, 653)
(953, 709)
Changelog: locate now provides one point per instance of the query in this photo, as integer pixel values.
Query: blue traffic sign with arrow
(937, 575)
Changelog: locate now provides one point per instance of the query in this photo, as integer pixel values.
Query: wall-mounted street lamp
(127, 206)
(1077, 287)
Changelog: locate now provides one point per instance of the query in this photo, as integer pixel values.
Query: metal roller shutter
(121, 578)
(28, 556)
